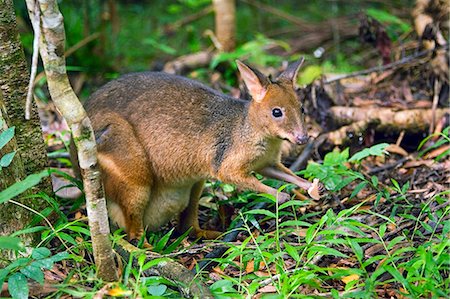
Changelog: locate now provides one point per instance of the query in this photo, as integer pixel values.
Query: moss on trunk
(31, 150)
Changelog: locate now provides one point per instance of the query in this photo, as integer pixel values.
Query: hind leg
(189, 217)
(126, 174)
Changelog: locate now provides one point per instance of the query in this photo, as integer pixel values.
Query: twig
(279, 13)
(381, 68)
(36, 23)
(307, 151)
(435, 103)
(188, 19)
(81, 44)
(388, 166)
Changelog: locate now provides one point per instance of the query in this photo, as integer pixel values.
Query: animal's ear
(256, 82)
(291, 72)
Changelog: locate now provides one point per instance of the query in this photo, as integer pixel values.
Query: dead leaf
(417, 163)
(118, 291)
(349, 278)
(395, 149)
(268, 289)
(261, 273)
(434, 153)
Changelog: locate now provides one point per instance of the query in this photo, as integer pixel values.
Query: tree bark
(14, 76)
(225, 16)
(31, 155)
(52, 44)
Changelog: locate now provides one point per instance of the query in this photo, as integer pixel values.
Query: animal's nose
(302, 138)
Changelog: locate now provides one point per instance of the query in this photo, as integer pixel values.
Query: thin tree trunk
(28, 142)
(225, 12)
(52, 44)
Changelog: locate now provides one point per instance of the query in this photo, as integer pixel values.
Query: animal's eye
(302, 110)
(276, 112)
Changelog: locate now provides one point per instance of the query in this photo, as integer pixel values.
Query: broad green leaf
(6, 160)
(79, 229)
(163, 241)
(12, 243)
(376, 150)
(6, 136)
(59, 256)
(157, 289)
(19, 187)
(34, 273)
(382, 230)
(18, 286)
(292, 251)
(222, 286)
(374, 179)
(40, 253)
(310, 233)
(357, 249)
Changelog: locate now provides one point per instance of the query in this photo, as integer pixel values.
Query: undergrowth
(284, 251)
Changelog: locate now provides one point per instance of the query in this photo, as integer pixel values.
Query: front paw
(283, 197)
(316, 190)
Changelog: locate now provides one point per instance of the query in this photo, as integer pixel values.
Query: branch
(51, 47)
(388, 66)
(36, 23)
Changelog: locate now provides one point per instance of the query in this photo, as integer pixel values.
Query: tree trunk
(225, 11)
(31, 156)
(51, 48)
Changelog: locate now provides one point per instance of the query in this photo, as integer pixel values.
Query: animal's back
(179, 122)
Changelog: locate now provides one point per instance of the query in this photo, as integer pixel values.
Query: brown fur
(161, 136)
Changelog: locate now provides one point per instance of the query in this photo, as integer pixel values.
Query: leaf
(376, 150)
(12, 243)
(154, 262)
(357, 249)
(59, 256)
(117, 291)
(19, 187)
(374, 180)
(310, 233)
(40, 253)
(157, 290)
(261, 212)
(18, 286)
(292, 251)
(6, 136)
(350, 278)
(382, 229)
(34, 273)
(163, 241)
(385, 17)
(6, 160)
(358, 188)
(222, 286)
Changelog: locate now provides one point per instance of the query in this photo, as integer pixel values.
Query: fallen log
(413, 120)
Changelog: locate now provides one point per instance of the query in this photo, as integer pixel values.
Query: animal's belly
(165, 204)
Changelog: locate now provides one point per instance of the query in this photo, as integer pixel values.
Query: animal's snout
(301, 138)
